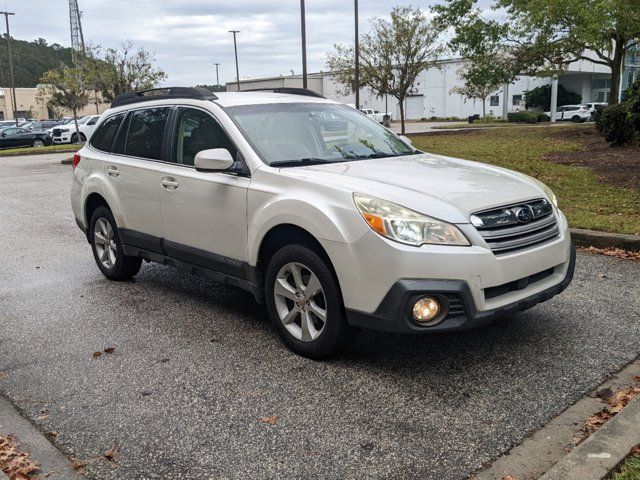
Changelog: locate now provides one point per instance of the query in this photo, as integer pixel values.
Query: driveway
(197, 365)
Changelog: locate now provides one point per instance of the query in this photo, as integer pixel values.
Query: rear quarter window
(102, 138)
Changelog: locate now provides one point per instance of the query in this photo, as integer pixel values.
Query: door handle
(169, 183)
(112, 171)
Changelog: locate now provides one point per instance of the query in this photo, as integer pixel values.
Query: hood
(447, 188)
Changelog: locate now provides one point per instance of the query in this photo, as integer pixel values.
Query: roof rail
(166, 93)
(289, 90)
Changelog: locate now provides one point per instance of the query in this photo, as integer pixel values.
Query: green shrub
(522, 117)
(614, 124)
(632, 96)
(540, 97)
(543, 117)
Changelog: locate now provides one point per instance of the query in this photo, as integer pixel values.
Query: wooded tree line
(30, 60)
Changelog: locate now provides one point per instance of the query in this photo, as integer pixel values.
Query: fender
(333, 222)
(95, 183)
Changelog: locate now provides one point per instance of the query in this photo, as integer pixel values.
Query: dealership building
(434, 93)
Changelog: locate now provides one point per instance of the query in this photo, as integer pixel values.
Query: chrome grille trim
(512, 237)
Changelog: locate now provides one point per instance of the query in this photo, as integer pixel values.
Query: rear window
(146, 131)
(102, 139)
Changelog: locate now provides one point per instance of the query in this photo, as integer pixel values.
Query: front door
(203, 214)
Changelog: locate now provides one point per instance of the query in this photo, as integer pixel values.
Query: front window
(303, 133)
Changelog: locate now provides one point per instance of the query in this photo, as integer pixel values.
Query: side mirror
(213, 160)
(406, 140)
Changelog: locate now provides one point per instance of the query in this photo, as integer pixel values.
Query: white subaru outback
(324, 215)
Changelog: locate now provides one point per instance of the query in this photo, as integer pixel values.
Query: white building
(433, 97)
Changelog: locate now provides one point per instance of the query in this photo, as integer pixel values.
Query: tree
(116, 71)
(481, 78)
(544, 36)
(392, 55)
(540, 97)
(66, 87)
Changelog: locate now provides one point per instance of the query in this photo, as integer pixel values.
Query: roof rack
(166, 93)
(289, 90)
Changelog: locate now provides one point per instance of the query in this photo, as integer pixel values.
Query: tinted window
(102, 138)
(196, 131)
(146, 131)
(494, 101)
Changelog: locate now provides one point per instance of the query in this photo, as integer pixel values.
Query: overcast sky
(187, 37)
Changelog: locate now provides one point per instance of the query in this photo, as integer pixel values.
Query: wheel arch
(93, 201)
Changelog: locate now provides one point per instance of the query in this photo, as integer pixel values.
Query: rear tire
(107, 247)
(577, 119)
(308, 313)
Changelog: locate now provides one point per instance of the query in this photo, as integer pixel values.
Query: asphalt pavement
(196, 365)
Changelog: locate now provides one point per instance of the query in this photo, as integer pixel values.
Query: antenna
(77, 38)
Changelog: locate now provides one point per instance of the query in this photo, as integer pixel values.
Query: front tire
(107, 247)
(78, 138)
(38, 143)
(305, 303)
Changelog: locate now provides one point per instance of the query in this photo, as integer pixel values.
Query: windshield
(301, 133)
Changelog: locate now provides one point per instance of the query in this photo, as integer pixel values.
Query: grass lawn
(586, 201)
(30, 150)
(630, 469)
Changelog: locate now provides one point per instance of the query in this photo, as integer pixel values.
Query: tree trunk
(616, 71)
(401, 104)
(75, 120)
(484, 107)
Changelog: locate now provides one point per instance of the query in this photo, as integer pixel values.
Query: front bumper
(63, 138)
(394, 312)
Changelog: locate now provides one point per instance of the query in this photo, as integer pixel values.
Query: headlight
(406, 226)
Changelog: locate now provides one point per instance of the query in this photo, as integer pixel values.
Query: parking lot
(199, 386)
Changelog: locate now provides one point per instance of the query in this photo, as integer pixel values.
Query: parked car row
(40, 133)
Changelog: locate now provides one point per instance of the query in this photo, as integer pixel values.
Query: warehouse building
(30, 105)
(434, 96)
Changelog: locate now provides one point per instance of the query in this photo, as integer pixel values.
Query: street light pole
(235, 48)
(217, 75)
(13, 84)
(357, 54)
(303, 32)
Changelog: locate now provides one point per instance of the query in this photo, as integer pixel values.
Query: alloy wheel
(300, 301)
(38, 143)
(105, 242)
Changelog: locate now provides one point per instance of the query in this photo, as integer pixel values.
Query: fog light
(426, 309)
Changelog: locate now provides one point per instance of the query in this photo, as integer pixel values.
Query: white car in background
(377, 116)
(595, 106)
(67, 133)
(574, 113)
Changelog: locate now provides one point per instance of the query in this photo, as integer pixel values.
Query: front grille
(516, 285)
(57, 132)
(517, 227)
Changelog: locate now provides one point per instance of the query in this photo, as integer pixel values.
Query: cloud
(187, 37)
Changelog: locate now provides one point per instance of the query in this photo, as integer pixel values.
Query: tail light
(76, 159)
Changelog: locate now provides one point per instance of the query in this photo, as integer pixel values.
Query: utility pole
(13, 84)
(357, 53)
(303, 31)
(235, 48)
(217, 75)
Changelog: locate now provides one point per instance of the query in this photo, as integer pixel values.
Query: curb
(54, 465)
(593, 238)
(603, 451)
(46, 152)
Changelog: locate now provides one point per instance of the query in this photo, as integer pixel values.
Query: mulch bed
(615, 165)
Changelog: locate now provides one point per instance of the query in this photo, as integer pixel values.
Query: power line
(13, 83)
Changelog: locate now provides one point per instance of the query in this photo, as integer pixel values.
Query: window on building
(518, 101)
(598, 83)
(494, 101)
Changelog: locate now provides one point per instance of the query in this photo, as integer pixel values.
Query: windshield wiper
(302, 161)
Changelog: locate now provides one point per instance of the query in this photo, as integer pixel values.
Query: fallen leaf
(509, 477)
(54, 434)
(112, 453)
(77, 465)
(270, 420)
(97, 354)
(14, 462)
(41, 418)
(109, 349)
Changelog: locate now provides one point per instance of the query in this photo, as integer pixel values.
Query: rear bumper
(394, 312)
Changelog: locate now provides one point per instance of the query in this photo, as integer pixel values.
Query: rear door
(203, 213)
(133, 171)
